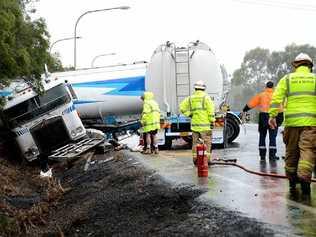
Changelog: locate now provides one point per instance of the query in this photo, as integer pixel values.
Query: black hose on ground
(252, 171)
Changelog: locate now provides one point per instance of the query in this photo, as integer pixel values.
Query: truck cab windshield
(36, 106)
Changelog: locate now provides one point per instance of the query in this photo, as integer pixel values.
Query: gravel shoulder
(115, 195)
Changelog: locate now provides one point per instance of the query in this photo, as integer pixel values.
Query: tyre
(188, 139)
(232, 128)
(167, 145)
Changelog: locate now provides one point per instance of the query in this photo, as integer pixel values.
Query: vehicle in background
(45, 122)
(172, 72)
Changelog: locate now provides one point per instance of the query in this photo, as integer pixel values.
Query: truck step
(72, 150)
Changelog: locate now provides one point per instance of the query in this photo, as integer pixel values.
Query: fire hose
(232, 162)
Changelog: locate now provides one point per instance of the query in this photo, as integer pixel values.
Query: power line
(291, 6)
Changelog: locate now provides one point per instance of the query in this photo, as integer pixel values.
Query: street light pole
(100, 55)
(85, 13)
(57, 41)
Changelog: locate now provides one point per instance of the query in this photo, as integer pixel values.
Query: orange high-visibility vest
(262, 101)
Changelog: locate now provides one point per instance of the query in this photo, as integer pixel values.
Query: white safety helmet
(301, 59)
(200, 85)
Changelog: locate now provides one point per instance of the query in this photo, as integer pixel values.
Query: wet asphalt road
(263, 198)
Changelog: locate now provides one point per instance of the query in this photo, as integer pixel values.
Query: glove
(241, 115)
(273, 123)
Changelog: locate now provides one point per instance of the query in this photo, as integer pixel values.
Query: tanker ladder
(182, 69)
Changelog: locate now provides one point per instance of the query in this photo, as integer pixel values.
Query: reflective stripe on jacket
(299, 90)
(200, 108)
(150, 118)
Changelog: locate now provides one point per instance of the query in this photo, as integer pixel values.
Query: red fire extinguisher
(202, 160)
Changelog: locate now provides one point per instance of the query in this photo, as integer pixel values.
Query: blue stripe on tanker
(4, 93)
(77, 102)
(128, 86)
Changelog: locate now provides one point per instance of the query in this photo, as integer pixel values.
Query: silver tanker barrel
(172, 72)
(171, 75)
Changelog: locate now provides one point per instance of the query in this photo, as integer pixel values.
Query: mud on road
(115, 195)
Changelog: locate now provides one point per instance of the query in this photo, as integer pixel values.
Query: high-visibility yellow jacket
(150, 118)
(200, 108)
(298, 90)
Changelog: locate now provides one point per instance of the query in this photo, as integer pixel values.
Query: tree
(280, 62)
(259, 66)
(249, 78)
(23, 43)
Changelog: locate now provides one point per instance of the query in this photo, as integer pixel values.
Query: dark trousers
(264, 128)
(152, 135)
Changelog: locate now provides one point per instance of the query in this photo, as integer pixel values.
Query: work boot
(306, 200)
(46, 174)
(262, 154)
(292, 186)
(156, 151)
(147, 151)
(273, 157)
(306, 188)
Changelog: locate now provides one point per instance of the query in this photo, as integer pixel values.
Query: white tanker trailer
(108, 98)
(171, 75)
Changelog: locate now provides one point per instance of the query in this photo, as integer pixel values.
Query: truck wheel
(167, 145)
(188, 139)
(232, 128)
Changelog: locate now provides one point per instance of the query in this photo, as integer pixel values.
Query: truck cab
(43, 123)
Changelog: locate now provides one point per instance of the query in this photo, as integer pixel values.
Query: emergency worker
(262, 102)
(200, 108)
(150, 120)
(299, 90)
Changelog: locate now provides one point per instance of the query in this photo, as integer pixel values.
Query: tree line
(24, 50)
(24, 43)
(260, 65)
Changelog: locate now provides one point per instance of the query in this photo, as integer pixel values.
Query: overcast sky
(229, 27)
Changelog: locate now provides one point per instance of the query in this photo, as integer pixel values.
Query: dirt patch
(25, 198)
(117, 196)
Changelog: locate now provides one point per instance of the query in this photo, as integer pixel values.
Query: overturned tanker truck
(44, 121)
(171, 75)
(108, 98)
